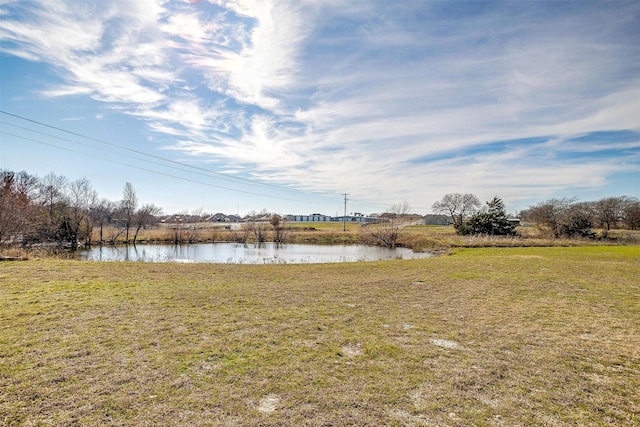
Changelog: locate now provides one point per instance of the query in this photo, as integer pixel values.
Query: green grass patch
(491, 336)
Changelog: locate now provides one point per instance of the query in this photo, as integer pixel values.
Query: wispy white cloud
(383, 100)
(66, 91)
(98, 48)
(264, 66)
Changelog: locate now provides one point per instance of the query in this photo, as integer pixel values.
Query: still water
(236, 253)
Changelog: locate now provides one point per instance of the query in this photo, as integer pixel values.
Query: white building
(316, 217)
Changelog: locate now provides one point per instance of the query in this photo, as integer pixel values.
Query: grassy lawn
(486, 337)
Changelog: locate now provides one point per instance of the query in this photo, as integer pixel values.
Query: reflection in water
(235, 253)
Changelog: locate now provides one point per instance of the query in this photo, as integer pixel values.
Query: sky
(239, 106)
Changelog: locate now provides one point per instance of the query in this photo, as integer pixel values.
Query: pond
(236, 253)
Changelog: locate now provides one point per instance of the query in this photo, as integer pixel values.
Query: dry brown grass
(417, 237)
(428, 237)
(487, 337)
(325, 233)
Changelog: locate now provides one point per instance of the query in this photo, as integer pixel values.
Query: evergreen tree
(492, 221)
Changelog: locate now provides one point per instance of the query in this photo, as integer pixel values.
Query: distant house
(220, 217)
(260, 217)
(234, 218)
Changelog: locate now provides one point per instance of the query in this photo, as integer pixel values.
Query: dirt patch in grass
(552, 338)
(446, 344)
(269, 403)
(351, 350)
(526, 257)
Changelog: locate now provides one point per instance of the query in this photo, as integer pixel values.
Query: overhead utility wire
(151, 170)
(113, 152)
(253, 182)
(207, 171)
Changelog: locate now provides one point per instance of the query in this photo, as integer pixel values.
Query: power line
(228, 177)
(184, 167)
(151, 170)
(113, 152)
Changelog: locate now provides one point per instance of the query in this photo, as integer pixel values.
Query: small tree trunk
(135, 236)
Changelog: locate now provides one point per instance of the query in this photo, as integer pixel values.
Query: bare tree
(192, 232)
(562, 217)
(194, 228)
(578, 221)
(25, 184)
(610, 210)
(177, 229)
(129, 204)
(387, 233)
(81, 197)
(144, 217)
(549, 214)
(241, 235)
(101, 213)
(280, 232)
(458, 206)
(52, 194)
(631, 214)
(259, 230)
(17, 208)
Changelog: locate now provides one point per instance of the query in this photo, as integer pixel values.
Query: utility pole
(344, 218)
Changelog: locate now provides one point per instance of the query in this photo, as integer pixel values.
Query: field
(486, 337)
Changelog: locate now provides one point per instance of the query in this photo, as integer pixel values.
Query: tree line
(564, 217)
(567, 217)
(55, 210)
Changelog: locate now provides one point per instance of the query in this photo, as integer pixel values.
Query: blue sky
(235, 106)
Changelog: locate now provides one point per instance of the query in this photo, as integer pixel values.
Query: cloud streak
(384, 101)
